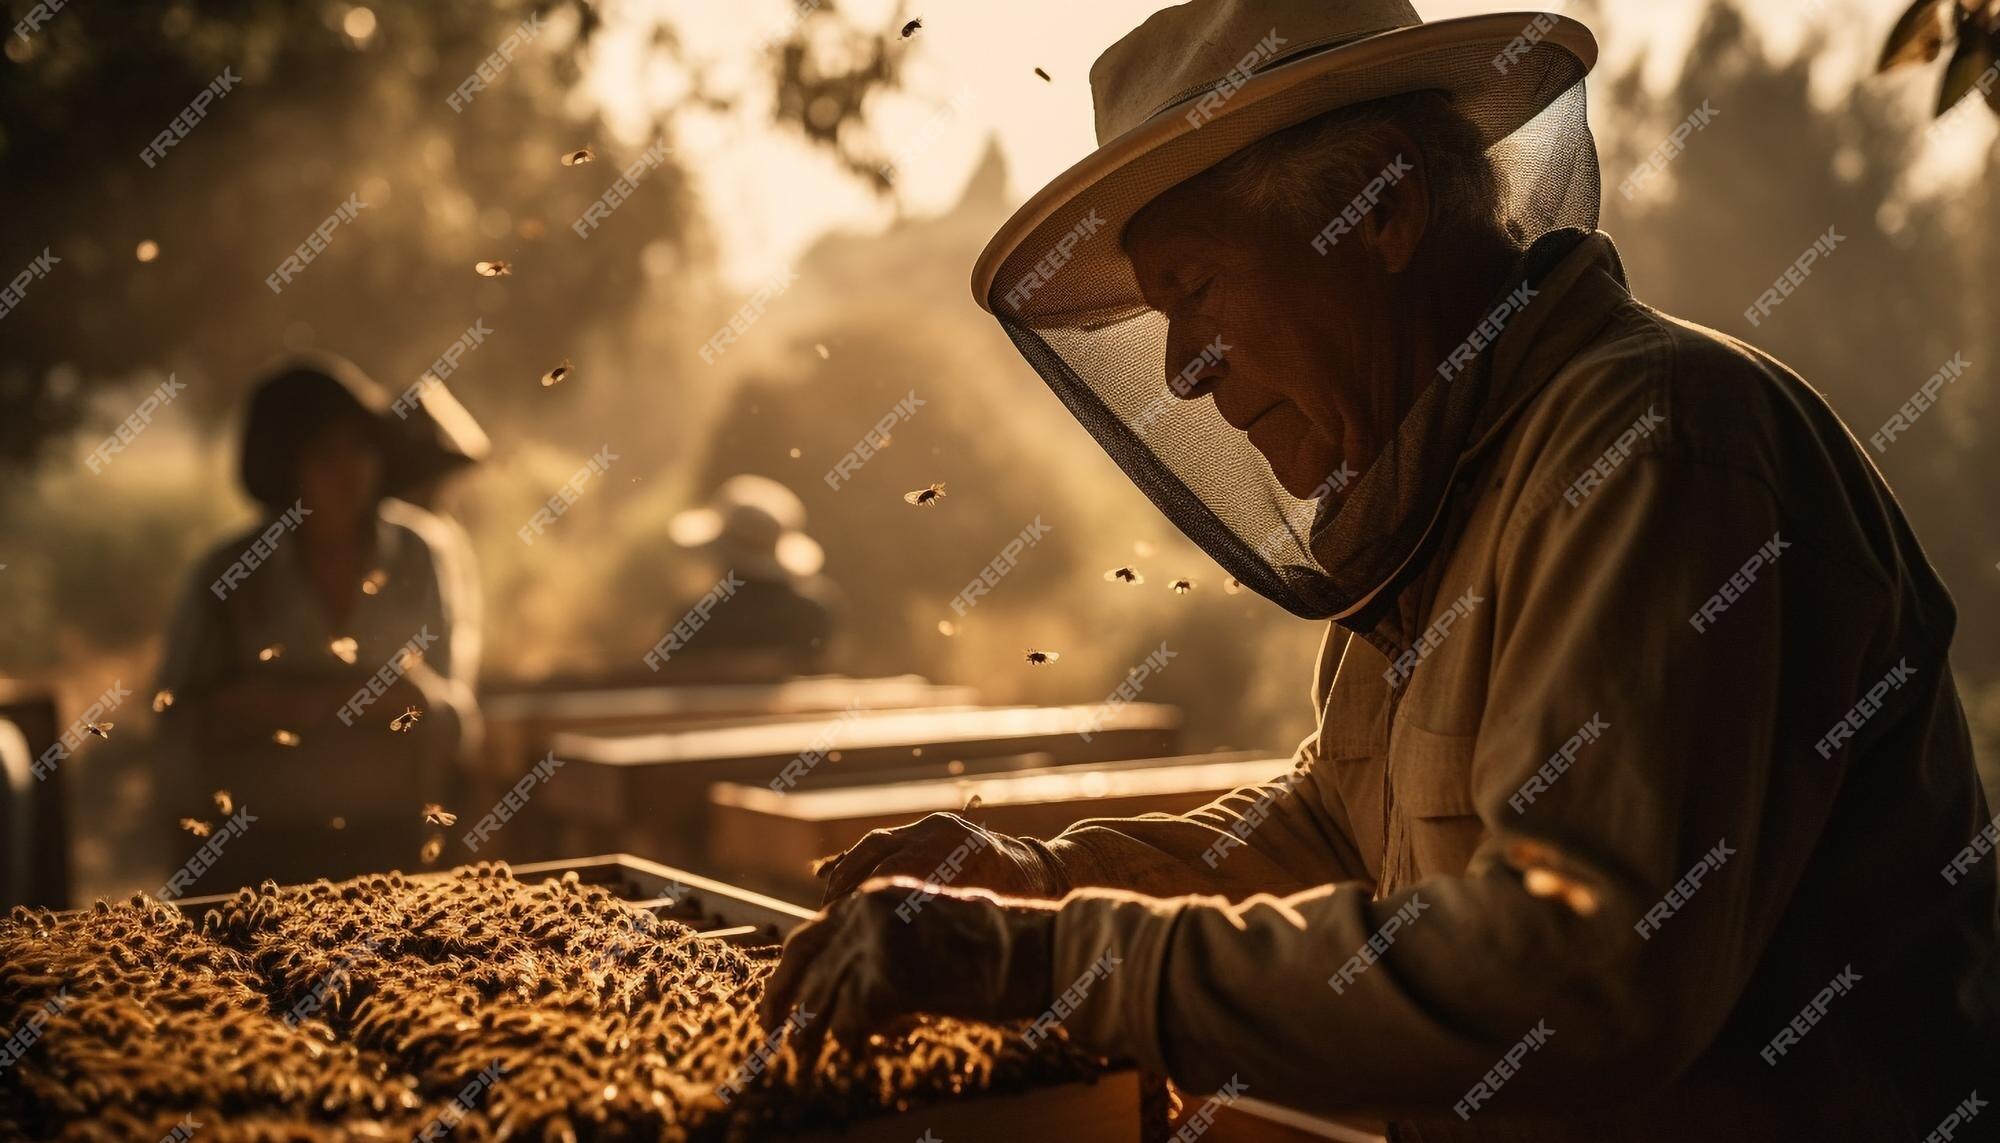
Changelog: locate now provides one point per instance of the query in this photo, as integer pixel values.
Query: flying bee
(284, 738)
(1233, 586)
(910, 29)
(1181, 586)
(224, 804)
(820, 348)
(433, 849)
(578, 157)
(493, 269)
(925, 497)
(557, 375)
(162, 701)
(197, 827)
(405, 721)
(1043, 658)
(373, 584)
(271, 652)
(1124, 575)
(100, 729)
(344, 648)
(437, 815)
(1044, 75)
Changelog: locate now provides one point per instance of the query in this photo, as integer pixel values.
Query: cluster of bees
(606, 1022)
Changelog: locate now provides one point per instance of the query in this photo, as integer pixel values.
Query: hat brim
(1118, 179)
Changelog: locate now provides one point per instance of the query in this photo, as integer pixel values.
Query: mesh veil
(1316, 557)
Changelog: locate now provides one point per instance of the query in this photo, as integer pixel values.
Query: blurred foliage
(334, 100)
(826, 72)
(1972, 30)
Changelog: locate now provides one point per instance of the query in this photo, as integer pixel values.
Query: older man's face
(1311, 373)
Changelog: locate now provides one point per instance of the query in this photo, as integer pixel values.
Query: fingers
(823, 995)
(802, 949)
(852, 1016)
(852, 868)
(834, 979)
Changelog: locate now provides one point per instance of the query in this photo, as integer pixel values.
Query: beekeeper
(1641, 806)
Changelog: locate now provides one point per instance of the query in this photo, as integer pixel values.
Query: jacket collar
(1573, 301)
(1578, 281)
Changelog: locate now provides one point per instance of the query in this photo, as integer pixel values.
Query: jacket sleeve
(1400, 1006)
(1277, 837)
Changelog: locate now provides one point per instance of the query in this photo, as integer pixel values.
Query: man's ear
(1395, 227)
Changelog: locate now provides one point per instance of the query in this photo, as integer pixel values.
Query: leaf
(1916, 38)
(1968, 64)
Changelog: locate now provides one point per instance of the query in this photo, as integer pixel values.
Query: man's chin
(1304, 473)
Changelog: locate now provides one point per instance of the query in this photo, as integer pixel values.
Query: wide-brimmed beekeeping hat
(1191, 86)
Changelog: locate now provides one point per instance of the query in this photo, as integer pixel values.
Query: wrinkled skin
(923, 849)
(893, 950)
(1326, 352)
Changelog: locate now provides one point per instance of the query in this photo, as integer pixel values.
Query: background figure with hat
(299, 641)
(768, 613)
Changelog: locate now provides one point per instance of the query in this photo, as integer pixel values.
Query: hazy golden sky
(984, 52)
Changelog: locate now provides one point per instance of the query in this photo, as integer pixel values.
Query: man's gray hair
(1311, 171)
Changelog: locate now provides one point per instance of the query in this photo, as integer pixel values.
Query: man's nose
(1194, 361)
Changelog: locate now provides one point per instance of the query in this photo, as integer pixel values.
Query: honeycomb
(469, 1007)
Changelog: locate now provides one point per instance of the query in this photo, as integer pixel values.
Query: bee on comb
(1043, 658)
(925, 497)
(493, 269)
(1124, 575)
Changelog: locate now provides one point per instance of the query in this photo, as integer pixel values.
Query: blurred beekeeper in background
(1641, 801)
(769, 613)
(298, 642)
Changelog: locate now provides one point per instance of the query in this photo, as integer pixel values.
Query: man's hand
(894, 949)
(950, 850)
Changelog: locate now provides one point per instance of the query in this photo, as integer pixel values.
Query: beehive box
(483, 1003)
(767, 839)
(648, 793)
